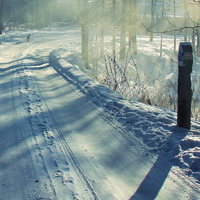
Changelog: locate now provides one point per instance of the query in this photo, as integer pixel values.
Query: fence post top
(185, 44)
(184, 53)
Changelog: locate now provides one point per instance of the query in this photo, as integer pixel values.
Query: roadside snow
(77, 139)
(153, 126)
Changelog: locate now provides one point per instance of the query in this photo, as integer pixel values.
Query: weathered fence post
(185, 61)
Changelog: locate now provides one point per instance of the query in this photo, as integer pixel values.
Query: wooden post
(185, 61)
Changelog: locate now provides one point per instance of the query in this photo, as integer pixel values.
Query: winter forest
(116, 63)
(89, 92)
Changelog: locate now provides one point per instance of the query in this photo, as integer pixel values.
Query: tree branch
(173, 30)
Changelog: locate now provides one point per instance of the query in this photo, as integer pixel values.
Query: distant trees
(41, 12)
(125, 18)
(117, 16)
(121, 18)
(185, 21)
(18, 11)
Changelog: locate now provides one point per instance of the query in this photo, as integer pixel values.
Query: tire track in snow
(41, 189)
(68, 151)
(76, 165)
(175, 177)
(48, 153)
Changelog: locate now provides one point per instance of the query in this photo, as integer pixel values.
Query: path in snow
(33, 164)
(57, 144)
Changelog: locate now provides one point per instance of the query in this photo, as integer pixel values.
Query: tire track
(24, 96)
(47, 148)
(73, 160)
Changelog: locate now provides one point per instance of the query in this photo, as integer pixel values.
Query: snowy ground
(64, 136)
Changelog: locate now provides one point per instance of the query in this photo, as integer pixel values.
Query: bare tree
(85, 32)
(114, 25)
(1, 16)
(132, 26)
(123, 30)
(161, 36)
(102, 28)
(185, 20)
(193, 26)
(174, 4)
(198, 33)
(194, 1)
(153, 5)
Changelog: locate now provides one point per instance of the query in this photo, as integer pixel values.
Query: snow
(65, 136)
(153, 126)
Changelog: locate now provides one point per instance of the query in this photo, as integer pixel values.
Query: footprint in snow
(29, 109)
(27, 103)
(189, 143)
(59, 173)
(65, 182)
(42, 126)
(165, 120)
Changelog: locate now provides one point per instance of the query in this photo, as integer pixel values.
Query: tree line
(128, 18)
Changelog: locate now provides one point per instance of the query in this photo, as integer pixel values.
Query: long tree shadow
(153, 182)
(156, 177)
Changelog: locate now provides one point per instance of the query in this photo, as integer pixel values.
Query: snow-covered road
(57, 144)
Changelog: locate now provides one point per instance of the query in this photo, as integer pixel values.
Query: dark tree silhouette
(1, 16)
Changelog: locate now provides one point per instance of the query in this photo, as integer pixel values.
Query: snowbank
(152, 126)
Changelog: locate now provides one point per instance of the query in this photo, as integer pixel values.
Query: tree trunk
(194, 31)
(114, 26)
(198, 43)
(161, 36)
(198, 35)
(174, 25)
(123, 30)
(132, 27)
(1, 16)
(85, 33)
(102, 29)
(185, 20)
(145, 10)
(152, 20)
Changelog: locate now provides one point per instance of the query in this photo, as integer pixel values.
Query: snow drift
(153, 127)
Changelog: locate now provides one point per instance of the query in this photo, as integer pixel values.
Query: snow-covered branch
(173, 30)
